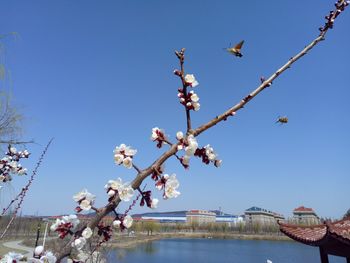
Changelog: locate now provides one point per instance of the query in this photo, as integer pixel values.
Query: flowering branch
(124, 155)
(22, 194)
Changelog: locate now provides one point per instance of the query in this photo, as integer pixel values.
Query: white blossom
(11, 257)
(87, 233)
(154, 203)
(170, 187)
(196, 106)
(83, 194)
(85, 199)
(118, 158)
(192, 145)
(48, 257)
(191, 80)
(73, 219)
(125, 192)
(79, 243)
(179, 135)
(186, 160)
(38, 250)
(114, 184)
(127, 162)
(124, 150)
(154, 135)
(127, 221)
(194, 97)
(116, 223)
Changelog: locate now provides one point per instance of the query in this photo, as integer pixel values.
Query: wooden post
(324, 256)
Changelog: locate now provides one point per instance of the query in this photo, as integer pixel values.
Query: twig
(25, 189)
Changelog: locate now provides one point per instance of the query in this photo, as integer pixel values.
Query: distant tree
(10, 118)
(347, 214)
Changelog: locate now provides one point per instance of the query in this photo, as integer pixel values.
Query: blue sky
(94, 74)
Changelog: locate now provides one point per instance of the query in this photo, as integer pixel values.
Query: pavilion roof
(333, 236)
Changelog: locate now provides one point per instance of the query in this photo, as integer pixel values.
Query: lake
(219, 250)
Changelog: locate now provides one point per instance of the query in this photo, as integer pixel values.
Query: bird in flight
(282, 120)
(236, 50)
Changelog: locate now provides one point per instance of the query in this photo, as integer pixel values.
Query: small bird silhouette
(236, 50)
(282, 120)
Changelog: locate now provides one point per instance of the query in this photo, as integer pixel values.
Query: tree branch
(143, 174)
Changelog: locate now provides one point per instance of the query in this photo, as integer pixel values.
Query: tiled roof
(317, 234)
(303, 209)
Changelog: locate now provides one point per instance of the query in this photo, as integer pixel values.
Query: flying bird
(282, 120)
(236, 50)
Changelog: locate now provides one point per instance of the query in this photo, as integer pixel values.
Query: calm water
(218, 250)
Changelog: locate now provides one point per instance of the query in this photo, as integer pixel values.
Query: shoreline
(133, 241)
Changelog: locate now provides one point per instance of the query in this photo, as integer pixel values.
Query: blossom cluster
(159, 136)
(80, 242)
(11, 257)
(124, 190)
(190, 100)
(169, 184)
(10, 164)
(188, 144)
(123, 155)
(66, 225)
(86, 257)
(208, 155)
(123, 222)
(42, 256)
(85, 200)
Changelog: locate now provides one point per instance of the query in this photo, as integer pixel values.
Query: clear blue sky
(94, 74)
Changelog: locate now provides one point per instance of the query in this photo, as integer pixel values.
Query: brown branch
(181, 56)
(143, 174)
(265, 84)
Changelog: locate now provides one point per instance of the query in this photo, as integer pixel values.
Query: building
(305, 216)
(164, 217)
(230, 219)
(200, 217)
(257, 215)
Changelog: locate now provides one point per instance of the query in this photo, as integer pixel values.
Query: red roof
(303, 209)
(333, 237)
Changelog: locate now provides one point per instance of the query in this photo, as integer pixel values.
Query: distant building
(305, 216)
(228, 218)
(182, 217)
(164, 217)
(262, 216)
(200, 217)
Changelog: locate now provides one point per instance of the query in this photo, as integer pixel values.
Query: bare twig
(22, 194)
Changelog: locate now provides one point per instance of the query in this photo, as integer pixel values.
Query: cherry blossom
(11, 257)
(123, 155)
(191, 80)
(87, 233)
(170, 187)
(159, 136)
(10, 164)
(84, 199)
(65, 225)
(79, 243)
